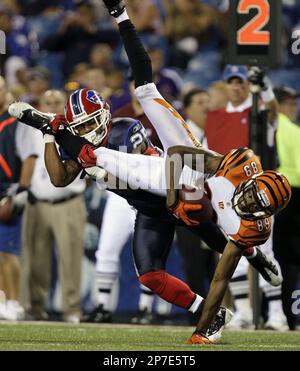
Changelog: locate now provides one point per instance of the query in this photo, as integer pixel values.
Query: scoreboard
(255, 32)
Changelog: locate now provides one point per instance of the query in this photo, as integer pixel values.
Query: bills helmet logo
(93, 97)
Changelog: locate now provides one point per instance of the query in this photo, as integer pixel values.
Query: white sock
(195, 306)
(123, 17)
(146, 299)
(105, 282)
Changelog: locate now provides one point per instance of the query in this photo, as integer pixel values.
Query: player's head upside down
(262, 196)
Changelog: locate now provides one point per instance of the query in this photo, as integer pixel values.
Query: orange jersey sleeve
(252, 233)
(239, 165)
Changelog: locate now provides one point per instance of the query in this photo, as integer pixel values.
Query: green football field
(56, 336)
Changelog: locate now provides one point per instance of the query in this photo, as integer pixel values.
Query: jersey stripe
(6, 122)
(6, 168)
(238, 163)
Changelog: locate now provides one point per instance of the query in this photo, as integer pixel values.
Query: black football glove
(256, 76)
(115, 7)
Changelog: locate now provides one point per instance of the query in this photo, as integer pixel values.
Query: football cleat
(199, 338)
(214, 332)
(30, 116)
(223, 317)
(142, 317)
(99, 315)
(266, 268)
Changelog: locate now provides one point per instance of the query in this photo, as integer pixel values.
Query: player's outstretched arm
(224, 271)
(138, 57)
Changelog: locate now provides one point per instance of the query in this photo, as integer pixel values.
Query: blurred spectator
(188, 25)
(35, 7)
(145, 16)
(228, 127)
(77, 35)
(78, 74)
(218, 95)
(43, 25)
(196, 106)
(52, 215)
(38, 83)
(119, 94)
(16, 165)
(287, 223)
(168, 81)
(19, 44)
(95, 79)
(102, 57)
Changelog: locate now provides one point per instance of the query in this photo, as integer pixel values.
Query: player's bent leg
(172, 290)
(169, 125)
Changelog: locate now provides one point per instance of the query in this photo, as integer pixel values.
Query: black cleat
(30, 116)
(99, 315)
(142, 317)
(266, 268)
(223, 317)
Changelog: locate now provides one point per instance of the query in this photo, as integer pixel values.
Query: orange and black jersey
(252, 233)
(239, 165)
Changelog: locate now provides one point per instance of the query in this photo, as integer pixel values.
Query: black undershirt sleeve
(137, 55)
(70, 143)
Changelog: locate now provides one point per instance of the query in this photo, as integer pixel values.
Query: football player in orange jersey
(244, 198)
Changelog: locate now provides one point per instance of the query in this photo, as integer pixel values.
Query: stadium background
(34, 21)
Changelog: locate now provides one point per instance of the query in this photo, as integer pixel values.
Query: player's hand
(256, 76)
(58, 123)
(115, 7)
(182, 210)
(87, 157)
(199, 338)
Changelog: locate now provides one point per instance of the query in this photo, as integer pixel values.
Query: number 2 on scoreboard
(251, 33)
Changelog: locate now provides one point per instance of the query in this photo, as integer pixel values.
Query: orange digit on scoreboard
(251, 33)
